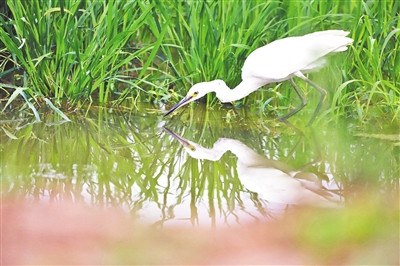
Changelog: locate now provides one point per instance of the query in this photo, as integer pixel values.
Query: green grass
(78, 52)
(74, 50)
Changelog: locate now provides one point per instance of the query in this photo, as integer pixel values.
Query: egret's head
(196, 92)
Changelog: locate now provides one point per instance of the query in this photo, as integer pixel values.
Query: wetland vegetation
(84, 85)
(76, 53)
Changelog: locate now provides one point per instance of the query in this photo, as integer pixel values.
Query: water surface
(203, 168)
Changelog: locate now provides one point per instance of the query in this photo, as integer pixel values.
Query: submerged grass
(129, 51)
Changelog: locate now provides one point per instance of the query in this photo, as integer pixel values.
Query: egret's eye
(195, 93)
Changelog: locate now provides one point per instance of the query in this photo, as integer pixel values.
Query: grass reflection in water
(125, 161)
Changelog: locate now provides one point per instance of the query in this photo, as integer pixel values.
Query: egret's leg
(303, 101)
(321, 99)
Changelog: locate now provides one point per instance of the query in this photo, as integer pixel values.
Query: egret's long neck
(225, 94)
(246, 156)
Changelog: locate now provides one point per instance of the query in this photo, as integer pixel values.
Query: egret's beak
(181, 103)
(182, 140)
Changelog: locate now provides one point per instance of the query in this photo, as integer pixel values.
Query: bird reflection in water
(274, 181)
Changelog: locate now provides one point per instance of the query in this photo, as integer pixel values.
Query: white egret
(276, 62)
(273, 180)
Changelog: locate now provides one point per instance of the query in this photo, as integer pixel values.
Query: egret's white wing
(280, 59)
(329, 33)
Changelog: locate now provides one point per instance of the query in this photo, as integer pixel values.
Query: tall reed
(75, 49)
(154, 51)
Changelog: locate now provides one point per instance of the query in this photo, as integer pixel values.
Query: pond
(333, 188)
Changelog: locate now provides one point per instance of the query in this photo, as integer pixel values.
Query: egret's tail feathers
(333, 38)
(345, 42)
